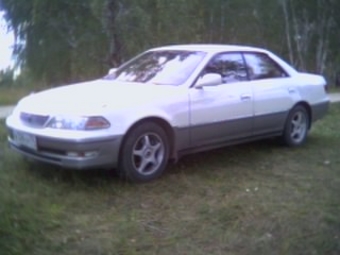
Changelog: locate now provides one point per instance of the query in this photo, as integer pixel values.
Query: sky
(6, 42)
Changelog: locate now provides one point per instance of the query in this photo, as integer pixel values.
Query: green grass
(258, 198)
(11, 95)
(333, 89)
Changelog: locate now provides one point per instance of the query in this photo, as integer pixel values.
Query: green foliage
(61, 41)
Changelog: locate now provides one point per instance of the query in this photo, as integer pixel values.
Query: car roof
(211, 48)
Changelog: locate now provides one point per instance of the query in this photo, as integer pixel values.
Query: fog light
(86, 154)
(90, 154)
(73, 154)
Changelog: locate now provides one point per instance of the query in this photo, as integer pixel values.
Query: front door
(224, 111)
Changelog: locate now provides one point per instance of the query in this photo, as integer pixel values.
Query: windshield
(160, 67)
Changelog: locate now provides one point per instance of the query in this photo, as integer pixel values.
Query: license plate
(24, 139)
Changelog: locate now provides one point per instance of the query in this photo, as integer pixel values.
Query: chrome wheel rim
(148, 154)
(299, 126)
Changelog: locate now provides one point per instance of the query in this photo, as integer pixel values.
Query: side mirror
(112, 71)
(210, 79)
(111, 75)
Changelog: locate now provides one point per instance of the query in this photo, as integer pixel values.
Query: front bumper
(75, 154)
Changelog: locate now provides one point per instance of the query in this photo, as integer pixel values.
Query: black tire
(144, 154)
(296, 127)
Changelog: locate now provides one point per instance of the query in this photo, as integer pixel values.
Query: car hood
(95, 97)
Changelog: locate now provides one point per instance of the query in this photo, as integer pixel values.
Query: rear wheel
(296, 127)
(144, 154)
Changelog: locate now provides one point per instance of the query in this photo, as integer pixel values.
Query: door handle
(291, 90)
(245, 97)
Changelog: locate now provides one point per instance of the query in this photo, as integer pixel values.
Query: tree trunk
(324, 24)
(287, 30)
(115, 42)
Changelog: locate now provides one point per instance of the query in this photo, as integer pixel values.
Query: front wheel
(296, 127)
(144, 154)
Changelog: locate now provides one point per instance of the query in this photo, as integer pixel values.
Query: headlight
(78, 123)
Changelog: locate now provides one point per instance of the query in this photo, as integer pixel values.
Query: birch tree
(61, 41)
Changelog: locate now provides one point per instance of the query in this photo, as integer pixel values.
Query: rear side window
(260, 66)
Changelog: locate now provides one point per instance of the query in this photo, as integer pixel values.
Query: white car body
(194, 117)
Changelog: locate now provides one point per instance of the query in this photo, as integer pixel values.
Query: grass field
(11, 95)
(258, 198)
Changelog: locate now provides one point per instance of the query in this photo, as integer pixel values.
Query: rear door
(273, 92)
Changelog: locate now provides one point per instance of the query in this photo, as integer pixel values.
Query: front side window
(230, 66)
(260, 66)
(168, 67)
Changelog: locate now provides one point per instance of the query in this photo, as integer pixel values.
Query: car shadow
(188, 164)
(91, 177)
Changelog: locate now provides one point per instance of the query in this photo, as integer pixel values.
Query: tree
(61, 41)
(309, 27)
(57, 39)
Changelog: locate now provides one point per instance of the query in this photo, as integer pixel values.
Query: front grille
(33, 119)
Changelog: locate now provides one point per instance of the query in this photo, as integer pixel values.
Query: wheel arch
(307, 106)
(165, 125)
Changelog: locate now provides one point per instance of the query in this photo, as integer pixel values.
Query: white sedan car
(167, 102)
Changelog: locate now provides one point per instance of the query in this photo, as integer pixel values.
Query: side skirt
(225, 144)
